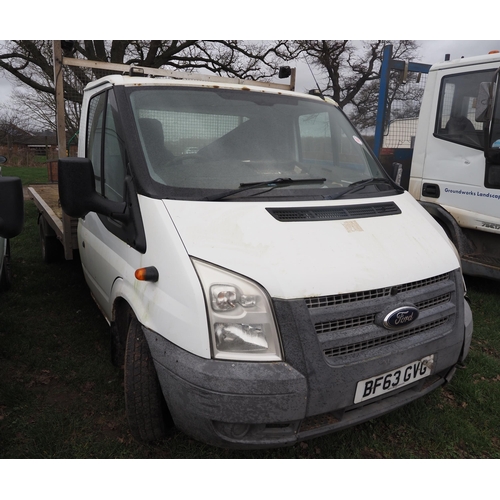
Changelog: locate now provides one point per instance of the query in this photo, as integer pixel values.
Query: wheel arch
(450, 226)
(125, 302)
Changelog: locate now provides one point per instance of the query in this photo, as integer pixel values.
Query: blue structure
(385, 72)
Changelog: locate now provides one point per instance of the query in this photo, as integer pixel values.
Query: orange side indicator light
(493, 52)
(147, 274)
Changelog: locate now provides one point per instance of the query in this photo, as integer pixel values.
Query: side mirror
(11, 207)
(77, 191)
(284, 72)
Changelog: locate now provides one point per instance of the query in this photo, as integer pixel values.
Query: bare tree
(349, 72)
(30, 62)
(13, 127)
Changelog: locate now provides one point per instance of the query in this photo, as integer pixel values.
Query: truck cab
(455, 171)
(264, 280)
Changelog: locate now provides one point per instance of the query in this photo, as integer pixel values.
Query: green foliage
(60, 396)
(28, 175)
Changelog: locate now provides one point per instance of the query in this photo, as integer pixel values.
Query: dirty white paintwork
(289, 259)
(174, 306)
(300, 259)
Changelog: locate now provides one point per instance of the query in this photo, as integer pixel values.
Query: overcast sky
(431, 51)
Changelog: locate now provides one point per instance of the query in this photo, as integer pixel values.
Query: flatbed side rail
(53, 220)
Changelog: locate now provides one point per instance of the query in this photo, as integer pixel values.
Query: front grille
(344, 324)
(426, 304)
(333, 300)
(353, 322)
(386, 339)
(367, 319)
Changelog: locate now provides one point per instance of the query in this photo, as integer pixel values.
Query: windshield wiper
(357, 186)
(279, 182)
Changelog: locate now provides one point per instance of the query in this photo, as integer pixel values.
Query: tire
(117, 347)
(119, 331)
(147, 412)
(51, 248)
(6, 276)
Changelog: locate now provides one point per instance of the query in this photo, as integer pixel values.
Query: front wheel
(147, 412)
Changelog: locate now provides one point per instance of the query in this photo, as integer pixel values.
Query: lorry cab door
(492, 125)
(455, 170)
(103, 240)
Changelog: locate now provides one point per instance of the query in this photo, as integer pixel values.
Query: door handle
(430, 190)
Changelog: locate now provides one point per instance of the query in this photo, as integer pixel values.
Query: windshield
(214, 141)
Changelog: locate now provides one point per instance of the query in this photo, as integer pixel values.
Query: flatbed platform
(54, 223)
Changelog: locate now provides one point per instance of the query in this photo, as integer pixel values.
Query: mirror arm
(122, 215)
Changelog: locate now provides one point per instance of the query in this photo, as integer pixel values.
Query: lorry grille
(353, 322)
(333, 300)
(343, 324)
(386, 339)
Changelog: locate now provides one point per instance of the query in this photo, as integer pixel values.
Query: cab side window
(105, 149)
(456, 112)
(94, 136)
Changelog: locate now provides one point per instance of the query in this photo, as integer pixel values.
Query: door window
(94, 136)
(104, 148)
(457, 106)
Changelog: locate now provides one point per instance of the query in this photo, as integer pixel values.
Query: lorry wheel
(6, 277)
(49, 243)
(147, 412)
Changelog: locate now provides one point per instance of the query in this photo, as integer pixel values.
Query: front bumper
(262, 405)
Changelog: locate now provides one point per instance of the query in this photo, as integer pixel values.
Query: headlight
(240, 315)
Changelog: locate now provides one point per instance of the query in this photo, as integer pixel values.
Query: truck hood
(320, 257)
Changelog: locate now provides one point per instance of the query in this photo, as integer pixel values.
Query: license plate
(390, 381)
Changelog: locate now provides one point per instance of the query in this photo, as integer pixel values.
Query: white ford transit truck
(264, 280)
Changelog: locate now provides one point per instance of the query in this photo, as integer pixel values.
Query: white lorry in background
(455, 172)
(11, 221)
(272, 285)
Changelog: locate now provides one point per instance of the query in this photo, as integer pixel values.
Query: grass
(60, 396)
(28, 175)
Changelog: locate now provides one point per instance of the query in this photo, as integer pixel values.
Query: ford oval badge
(400, 317)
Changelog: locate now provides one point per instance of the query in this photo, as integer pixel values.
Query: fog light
(231, 431)
(239, 430)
